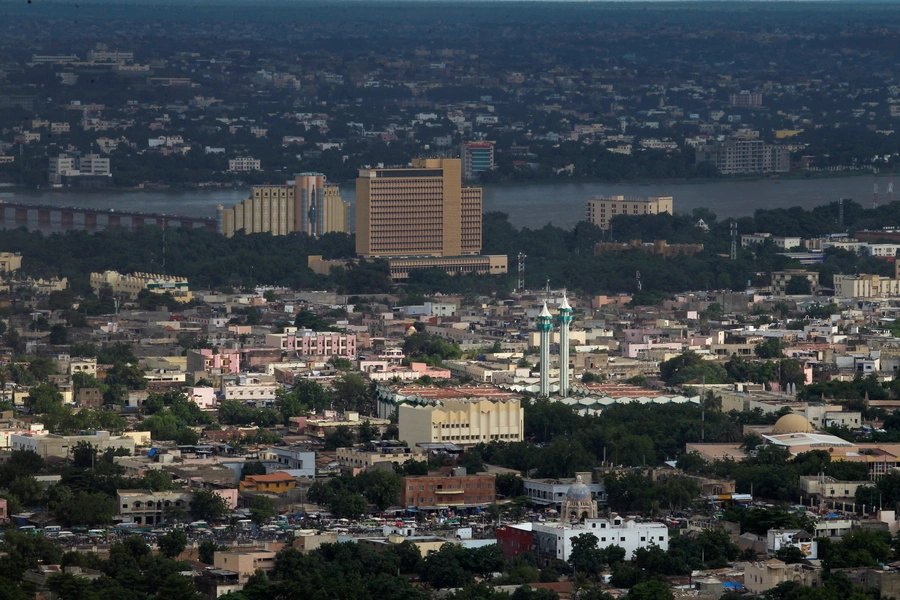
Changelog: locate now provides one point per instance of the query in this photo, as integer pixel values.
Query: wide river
(528, 205)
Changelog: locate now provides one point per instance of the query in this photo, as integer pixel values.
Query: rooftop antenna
(840, 212)
(637, 276)
(733, 240)
(164, 247)
(522, 258)
(875, 195)
(890, 188)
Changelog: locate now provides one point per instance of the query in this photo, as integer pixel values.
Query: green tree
(253, 467)
(261, 509)
(341, 437)
(585, 557)
(351, 392)
(59, 335)
(798, 286)
(158, 480)
(44, 398)
(381, 488)
(650, 590)
(207, 505)
(367, 431)
(207, 549)
(790, 555)
(177, 587)
(172, 543)
(42, 368)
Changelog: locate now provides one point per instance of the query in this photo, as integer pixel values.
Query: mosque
(545, 325)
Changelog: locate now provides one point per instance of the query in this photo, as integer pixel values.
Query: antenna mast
(875, 203)
(521, 284)
(733, 240)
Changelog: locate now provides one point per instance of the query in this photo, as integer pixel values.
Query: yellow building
(463, 422)
(10, 262)
(132, 285)
(492, 264)
(602, 210)
(245, 564)
(418, 211)
(308, 205)
(274, 483)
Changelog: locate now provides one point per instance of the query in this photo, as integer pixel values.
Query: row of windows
(440, 486)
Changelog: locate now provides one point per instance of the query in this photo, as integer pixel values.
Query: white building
(243, 163)
(785, 243)
(554, 540)
(552, 492)
(882, 250)
(258, 393)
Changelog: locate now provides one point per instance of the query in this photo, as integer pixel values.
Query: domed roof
(792, 424)
(578, 491)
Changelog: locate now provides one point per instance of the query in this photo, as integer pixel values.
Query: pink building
(226, 361)
(4, 510)
(204, 397)
(321, 344)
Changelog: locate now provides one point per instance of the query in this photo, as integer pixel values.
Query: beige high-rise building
(600, 211)
(417, 211)
(307, 204)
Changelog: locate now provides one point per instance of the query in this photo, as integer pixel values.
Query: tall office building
(476, 157)
(418, 211)
(308, 204)
(600, 211)
(421, 217)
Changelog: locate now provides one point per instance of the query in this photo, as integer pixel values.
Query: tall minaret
(545, 324)
(564, 319)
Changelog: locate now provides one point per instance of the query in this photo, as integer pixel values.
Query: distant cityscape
(225, 374)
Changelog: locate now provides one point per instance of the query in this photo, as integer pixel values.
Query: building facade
(490, 264)
(462, 422)
(308, 204)
(224, 361)
(418, 211)
(63, 446)
(745, 156)
(554, 540)
(552, 492)
(244, 163)
(477, 157)
(602, 210)
(132, 285)
(451, 490)
(145, 507)
(10, 262)
(781, 279)
(308, 343)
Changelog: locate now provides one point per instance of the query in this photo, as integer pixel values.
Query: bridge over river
(73, 217)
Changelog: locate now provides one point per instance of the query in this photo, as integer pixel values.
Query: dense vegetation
(566, 256)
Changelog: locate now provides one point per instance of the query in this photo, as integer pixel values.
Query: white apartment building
(554, 540)
(785, 243)
(252, 391)
(881, 250)
(243, 163)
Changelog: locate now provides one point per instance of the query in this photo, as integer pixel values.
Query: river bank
(530, 205)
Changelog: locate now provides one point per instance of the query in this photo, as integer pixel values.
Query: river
(528, 205)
